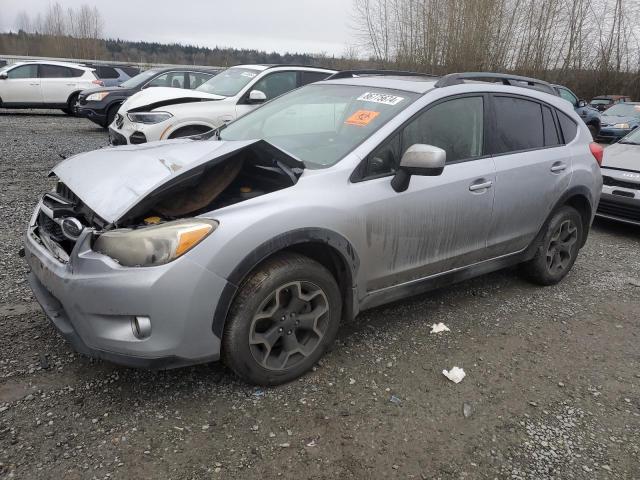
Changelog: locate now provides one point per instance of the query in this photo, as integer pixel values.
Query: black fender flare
(273, 246)
(576, 191)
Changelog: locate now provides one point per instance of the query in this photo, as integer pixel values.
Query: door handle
(474, 187)
(558, 167)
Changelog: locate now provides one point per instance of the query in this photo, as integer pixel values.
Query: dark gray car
(620, 198)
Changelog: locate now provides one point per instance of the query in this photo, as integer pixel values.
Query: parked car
(619, 120)
(100, 105)
(114, 75)
(331, 199)
(589, 115)
(165, 113)
(620, 198)
(45, 84)
(605, 101)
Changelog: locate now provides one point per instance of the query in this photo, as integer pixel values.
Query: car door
(533, 169)
(58, 83)
(272, 85)
(439, 223)
(22, 86)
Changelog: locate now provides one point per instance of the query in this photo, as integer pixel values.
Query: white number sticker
(380, 98)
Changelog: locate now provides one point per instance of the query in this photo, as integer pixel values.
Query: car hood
(613, 119)
(622, 156)
(156, 97)
(112, 181)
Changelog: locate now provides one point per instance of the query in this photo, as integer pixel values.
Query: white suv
(45, 84)
(162, 113)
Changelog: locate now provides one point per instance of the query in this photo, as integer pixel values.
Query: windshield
(633, 138)
(601, 101)
(229, 82)
(624, 110)
(139, 79)
(319, 124)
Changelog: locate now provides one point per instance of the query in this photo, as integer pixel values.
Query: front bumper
(124, 132)
(95, 115)
(620, 201)
(612, 134)
(92, 301)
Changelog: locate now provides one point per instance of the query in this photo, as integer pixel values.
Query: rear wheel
(285, 316)
(558, 248)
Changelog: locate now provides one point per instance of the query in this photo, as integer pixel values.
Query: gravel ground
(552, 387)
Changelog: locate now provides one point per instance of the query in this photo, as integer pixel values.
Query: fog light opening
(141, 327)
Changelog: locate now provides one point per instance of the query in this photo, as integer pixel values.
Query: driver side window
(276, 84)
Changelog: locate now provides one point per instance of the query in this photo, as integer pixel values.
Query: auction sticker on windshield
(362, 118)
(380, 98)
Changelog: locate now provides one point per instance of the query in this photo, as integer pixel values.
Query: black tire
(557, 248)
(188, 131)
(111, 114)
(594, 130)
(269, 288)
(71, 109)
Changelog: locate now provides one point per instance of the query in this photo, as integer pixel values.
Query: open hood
(118, 183)
(156, 97)
(622, 156)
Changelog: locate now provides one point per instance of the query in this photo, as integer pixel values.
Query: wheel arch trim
(282, 242)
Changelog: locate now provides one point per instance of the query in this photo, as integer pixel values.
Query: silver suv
(252, 246)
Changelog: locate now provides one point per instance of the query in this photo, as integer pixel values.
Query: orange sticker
(362, 118)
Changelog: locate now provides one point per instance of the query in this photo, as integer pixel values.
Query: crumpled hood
(111, 181)
(624, 157)
(155, 97)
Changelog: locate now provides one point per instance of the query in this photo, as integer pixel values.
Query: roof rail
(396, 73)
(505, 79)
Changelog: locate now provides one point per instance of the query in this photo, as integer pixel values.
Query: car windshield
(319, 124)
(624, 110)
(139, 79)
(601, 101)
(633, 138)
(229, 82)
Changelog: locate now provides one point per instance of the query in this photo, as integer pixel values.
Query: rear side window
(551, 137)
(57, 71)
(311, 77)
(107, 72)
(519, 125)
(568, 127)
(456, 126)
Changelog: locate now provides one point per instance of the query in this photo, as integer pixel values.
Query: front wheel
(594, 130)
(72, 108)
(283, 319)
(558, 248)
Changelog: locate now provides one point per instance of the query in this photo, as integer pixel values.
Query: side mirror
(419, 159)
(3, 76)
(257, 96)
(582, 103)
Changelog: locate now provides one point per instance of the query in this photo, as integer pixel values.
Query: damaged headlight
(154, 245)
(149, 117)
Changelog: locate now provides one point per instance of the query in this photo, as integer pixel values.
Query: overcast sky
(312, 26)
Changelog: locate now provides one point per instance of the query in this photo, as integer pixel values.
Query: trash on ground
(395, 400)
(456, 374)
(466, 410)
(258, 393)
(439, 327)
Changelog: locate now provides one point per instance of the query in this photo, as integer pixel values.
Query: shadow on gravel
(617, 228)
(22, 113)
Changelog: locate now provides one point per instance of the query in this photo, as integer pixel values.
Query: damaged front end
(140, 204)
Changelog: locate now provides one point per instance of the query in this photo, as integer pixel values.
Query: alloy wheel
(289, 325)
(560, 251)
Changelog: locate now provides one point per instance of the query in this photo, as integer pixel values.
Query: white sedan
(165, 113)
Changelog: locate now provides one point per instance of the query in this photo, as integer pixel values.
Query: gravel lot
(552, 387)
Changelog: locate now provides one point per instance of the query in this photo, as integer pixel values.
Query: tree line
(590, 45)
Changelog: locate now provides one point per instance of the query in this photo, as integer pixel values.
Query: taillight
(597, 151)
(98, 82)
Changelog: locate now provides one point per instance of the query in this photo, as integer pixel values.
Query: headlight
(149, 117)
(154, 245)
(96, 97)
(621, 125)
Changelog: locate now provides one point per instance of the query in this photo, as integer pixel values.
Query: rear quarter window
(106, 72)
(568, 126)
